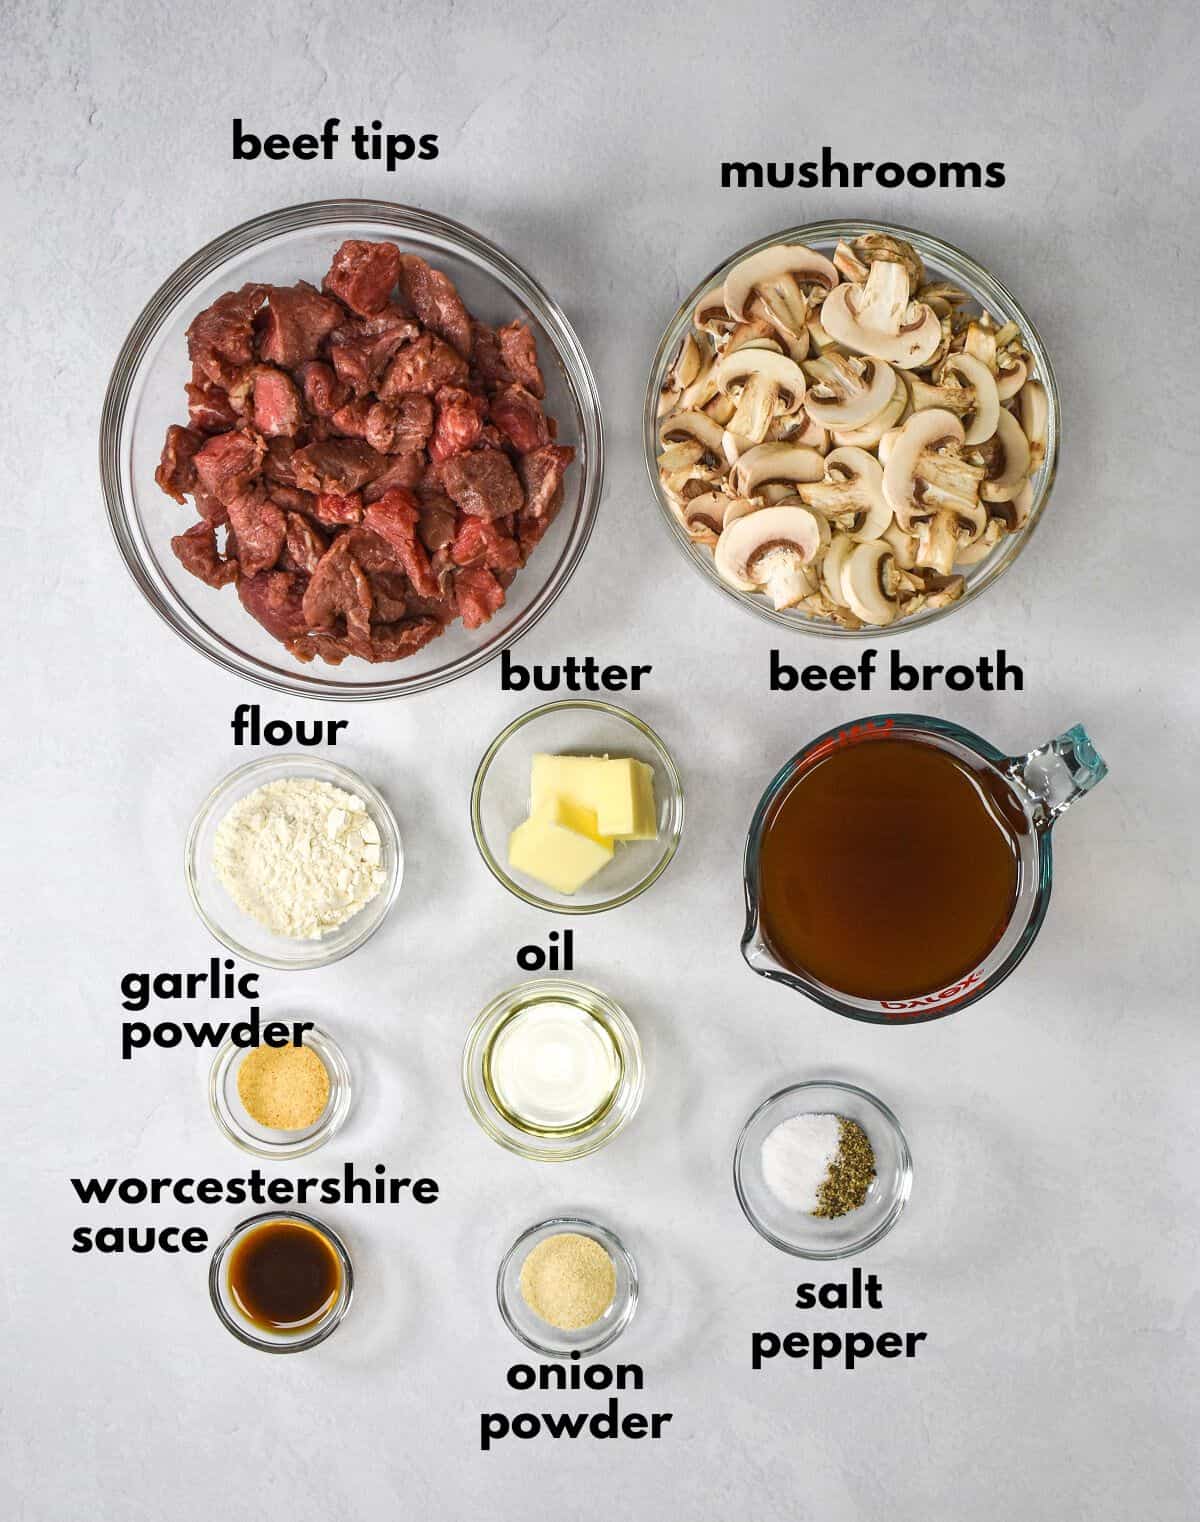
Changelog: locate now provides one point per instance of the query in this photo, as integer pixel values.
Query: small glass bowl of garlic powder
(293, 861)
(781, 1159)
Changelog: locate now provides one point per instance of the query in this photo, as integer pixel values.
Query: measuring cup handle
(1057, 773)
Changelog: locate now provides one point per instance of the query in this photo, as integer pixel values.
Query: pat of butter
(559, 845)
(618, 790)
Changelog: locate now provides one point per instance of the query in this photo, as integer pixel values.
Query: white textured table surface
(1049, 1250)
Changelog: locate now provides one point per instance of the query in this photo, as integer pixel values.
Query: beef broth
(890, 868)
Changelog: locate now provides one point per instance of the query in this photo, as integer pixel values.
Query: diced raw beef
(276, 600)
(220, 339)
(459, 422)
(333, 509)
(439, 516)
(337, 465)
(426, 364)
(277, 409)
(400, 427)
(480, 542)
(324, 393)
(519, 351)
(403, 470)
(434, 299)
(176, 472)
(478, 595)
(542, 472)
(297, 318)
(351, 420)
(303, 546)
(339, 589)
(518, 415)
(260, 528)
(486, 358)
(363, 275)
(483, 483)
(362, 350)
(197, 552)
(394, 518)
(208, 408)
(368, 463)
(228, 462)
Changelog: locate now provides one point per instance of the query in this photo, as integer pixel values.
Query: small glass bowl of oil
(552, 1070)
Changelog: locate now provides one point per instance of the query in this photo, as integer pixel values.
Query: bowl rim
(904, 1172)
(245, 1332)
(626, 1098)
(929, 246)
(157, 312)
(346, 778)
(326, 1128)
(612, 1244)
(595, 705)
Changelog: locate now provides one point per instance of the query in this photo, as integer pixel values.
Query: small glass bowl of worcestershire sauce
(281, 1281)
(899, 868)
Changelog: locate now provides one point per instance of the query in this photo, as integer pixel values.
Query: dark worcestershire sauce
(890, 868)
(284, 1276)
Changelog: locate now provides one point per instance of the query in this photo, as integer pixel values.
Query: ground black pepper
(850, 1174)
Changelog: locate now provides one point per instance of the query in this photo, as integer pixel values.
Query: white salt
(796, 1158)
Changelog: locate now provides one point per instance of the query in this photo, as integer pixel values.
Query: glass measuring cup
(1043, 784)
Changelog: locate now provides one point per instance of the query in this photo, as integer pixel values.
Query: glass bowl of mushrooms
(851, 427)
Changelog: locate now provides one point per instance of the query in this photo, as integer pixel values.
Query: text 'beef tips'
(367, 462)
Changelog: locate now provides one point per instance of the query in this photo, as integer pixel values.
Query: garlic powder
(300, 856)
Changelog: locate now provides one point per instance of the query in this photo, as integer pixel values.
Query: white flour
(300, 856)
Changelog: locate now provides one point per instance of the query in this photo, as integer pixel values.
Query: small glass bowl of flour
(293, 861)
(782, 1158)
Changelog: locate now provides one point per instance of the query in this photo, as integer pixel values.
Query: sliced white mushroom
(847, 390)
(832, 565)
(983, 414)
(775, 464)
(798, 428)
(711, 315)
(691, 427)
(1034, 412)
(869, 434)
(739, 507)
(691, 481)
(764, 384)
(869, 583)
(1013, 514)
(933, 490)
(902, 545)
(887, 442)
(779, 280)
(879, 319)
(850, 494)
(704, 517)
(770, 551)
(972, 554)
(1006, 460)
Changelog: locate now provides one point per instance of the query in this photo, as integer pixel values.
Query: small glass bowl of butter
(577, 807)
(552, 1070)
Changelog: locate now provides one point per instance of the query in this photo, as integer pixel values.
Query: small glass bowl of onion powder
(552, 1070)
(567, 1286)
(822, 1170)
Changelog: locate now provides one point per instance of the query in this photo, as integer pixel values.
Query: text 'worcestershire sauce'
(890, 868)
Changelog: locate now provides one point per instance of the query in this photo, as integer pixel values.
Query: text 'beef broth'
(890, 868)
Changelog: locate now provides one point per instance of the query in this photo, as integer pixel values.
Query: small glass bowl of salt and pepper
(776, 1162)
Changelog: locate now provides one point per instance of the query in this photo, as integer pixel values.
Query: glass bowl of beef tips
(351, 450)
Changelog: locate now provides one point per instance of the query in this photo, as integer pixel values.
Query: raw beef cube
(197, 552)
(518, 415)
(297, 318)
(339, 589)
(324, 393)
(426, 364)
(337, 465)
(260, 529)
(220, 339)
(228, 462)
(542, 472)
(176, 472)
(277, 409)
(363, 275)
(483, 484)
(394, 518)
(276, 600)
(438, 306)
(519, 351)
(459, 422)
(478, 595)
